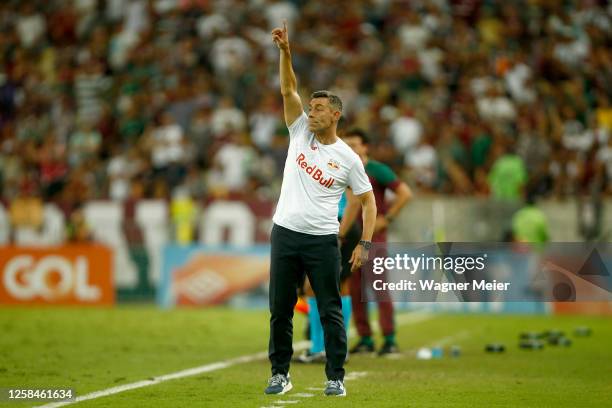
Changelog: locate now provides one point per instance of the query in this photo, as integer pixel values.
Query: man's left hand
(358, 258)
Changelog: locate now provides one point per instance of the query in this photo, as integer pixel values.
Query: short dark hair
(360, 133)
(334, 100)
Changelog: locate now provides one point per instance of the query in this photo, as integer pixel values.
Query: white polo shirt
(314, 179)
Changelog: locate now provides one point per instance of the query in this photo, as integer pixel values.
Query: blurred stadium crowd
(129, 99)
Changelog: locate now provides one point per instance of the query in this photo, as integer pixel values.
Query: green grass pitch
(95, 349)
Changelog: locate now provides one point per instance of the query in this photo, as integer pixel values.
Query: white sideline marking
(353, 375)
(303, 395)
(287, 402)
(449, 339)
(401, 320)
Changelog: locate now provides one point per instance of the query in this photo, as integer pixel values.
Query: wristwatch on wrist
(365, 244)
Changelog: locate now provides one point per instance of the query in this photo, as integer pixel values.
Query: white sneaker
(279, 384)
(335, 388)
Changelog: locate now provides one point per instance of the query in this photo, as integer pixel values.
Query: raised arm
(288, 81)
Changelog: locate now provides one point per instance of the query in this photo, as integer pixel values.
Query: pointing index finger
(285, 26)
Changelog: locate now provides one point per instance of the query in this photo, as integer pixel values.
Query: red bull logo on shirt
(314, 172)
(332, 164)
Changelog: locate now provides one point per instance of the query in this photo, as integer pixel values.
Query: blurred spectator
(122, 168)
(90, 85)
(230, 56)
(508, 176)
(264, 121)
(413, 33)
(183, 211)
(26, 211)
(84, 143)
(53, 167)
(120, 46)
(453, 160)
(533, 147)
(494, 106)
(529, 224)
(31, 25)
(519, 81)
(227, 118)
(604, 112)
(168, 151)
(423, 161)
(406, 130)
(233, 164)
(77, 230)
(277, 11)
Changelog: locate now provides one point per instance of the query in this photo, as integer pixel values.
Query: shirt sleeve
(386, 177)
(299, 127)
(358, 180)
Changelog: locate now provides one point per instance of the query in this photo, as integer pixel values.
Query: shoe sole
(285, 390)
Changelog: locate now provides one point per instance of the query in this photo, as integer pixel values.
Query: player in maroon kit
(382, 178)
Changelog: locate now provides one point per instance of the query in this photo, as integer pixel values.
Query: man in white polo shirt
(319, 167)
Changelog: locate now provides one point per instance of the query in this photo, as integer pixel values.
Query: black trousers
(293, 255)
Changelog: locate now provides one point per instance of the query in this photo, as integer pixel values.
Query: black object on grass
(531, 345)
(495, 348)
(583, 331)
